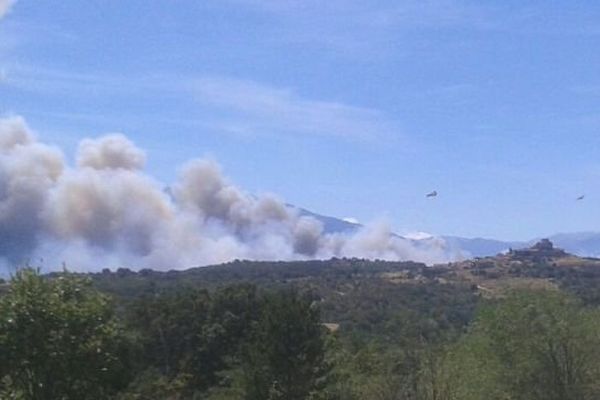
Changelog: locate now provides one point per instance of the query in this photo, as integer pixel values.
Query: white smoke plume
(106, 212)
(110, 152)
(5, 6)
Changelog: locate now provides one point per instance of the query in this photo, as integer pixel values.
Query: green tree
(58, 340)
(285, 358)
(191, 336)
(532, 345)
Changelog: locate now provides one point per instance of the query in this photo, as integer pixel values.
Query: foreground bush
(58, 340)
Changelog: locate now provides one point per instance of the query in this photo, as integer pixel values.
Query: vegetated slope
(393, 321)
(373, 297)
(363, 298)
(542, 265)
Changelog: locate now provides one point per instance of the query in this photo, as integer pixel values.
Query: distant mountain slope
(583, 244)
(480, 247)
(331, 224)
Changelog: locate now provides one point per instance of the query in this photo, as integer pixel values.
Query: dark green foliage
(59, 340)
(285, 358)
(359, 295)
(251, 330)
(191, 335)
(127, 284)
(532, 345)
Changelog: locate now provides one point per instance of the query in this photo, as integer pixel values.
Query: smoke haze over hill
(106, 212)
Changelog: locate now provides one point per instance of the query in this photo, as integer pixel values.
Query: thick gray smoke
(106, 212)
(28, 171)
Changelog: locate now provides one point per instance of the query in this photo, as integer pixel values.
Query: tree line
(63, 339)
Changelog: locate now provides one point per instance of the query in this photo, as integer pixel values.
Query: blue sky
(348, 108)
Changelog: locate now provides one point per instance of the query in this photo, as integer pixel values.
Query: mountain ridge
(583, 244)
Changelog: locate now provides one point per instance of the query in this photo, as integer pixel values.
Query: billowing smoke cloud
(5, 6)
(106, 212)
(110, 152)
(28, 171)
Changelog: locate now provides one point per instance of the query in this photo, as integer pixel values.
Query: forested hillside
(518, 326)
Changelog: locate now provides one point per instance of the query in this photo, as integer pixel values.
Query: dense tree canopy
(285, 357)
(347, 330)
(532, 345)
(59, 340)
